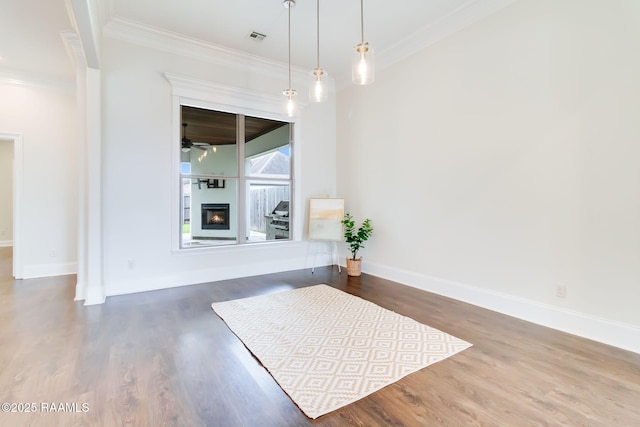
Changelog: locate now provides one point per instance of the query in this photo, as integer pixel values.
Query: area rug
(327, 348)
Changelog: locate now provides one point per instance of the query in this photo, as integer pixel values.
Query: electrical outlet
(53, 253)
(131, 264)
(561, 290)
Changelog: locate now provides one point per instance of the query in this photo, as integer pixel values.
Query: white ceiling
(30, 39)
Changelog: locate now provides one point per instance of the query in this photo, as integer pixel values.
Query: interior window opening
(235, 178)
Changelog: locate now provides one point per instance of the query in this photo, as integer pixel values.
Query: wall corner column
(94, 292)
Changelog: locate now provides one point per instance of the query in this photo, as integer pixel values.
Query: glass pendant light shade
(363, 65)
(318, 85)
(290, 106)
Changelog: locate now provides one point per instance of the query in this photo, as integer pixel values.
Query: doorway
(6, 193)
(10, 190)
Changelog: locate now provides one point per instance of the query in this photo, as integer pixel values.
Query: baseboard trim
(94, 295)
(617, 334)
(81, 291)
(6, 243)
(48, 270)
(164, 281)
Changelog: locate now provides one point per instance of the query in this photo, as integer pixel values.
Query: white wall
(6, 192)
(46, 120)
(503, 161)
(138, 149)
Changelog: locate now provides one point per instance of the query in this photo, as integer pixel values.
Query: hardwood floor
(164, 358)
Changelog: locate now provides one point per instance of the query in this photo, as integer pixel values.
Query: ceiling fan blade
(188, 144)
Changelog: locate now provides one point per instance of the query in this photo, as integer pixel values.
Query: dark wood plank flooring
(164, 358)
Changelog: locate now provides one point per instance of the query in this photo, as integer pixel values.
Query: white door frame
(17, 198)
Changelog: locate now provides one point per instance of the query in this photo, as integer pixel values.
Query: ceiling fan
(187, 144)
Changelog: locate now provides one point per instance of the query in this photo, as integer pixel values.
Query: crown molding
(177, 44)
(33, 79)
(23, 78)
(471, 12)
(73, 44)
(85, 18)
(105, 11)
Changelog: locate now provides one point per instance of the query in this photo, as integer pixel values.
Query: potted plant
(355, 239)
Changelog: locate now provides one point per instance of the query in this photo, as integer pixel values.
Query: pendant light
(363, 66)
(318, 88)
(290, 106)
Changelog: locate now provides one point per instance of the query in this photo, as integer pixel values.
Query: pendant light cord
(289, 47)
(318, 33)
(362, 20)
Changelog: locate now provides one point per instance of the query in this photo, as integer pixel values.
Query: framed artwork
(325, 219)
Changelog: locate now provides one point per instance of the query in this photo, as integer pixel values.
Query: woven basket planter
(354, 266)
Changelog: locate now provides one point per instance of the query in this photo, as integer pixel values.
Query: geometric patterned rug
(327, 348)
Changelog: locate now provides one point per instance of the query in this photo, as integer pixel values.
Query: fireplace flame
(215, 216)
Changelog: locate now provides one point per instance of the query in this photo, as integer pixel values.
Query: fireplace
(215, 216)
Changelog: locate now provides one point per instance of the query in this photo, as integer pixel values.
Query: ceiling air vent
(257, 36)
